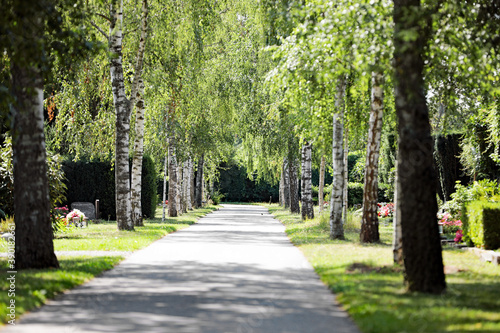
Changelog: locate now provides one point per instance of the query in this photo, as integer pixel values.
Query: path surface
(233, 271)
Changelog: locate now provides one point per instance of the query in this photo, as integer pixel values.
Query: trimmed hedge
(481, 224)
(234, 184)
(88, 181)
(355, 193)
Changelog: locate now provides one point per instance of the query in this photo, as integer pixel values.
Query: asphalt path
(233, 271)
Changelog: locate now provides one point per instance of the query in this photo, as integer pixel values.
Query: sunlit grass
(34, 287)
(106, 236)
(371, 289)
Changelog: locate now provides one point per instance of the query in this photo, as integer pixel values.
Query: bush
(88, 181)
(149, 196)
(481, 224)
(482, 190)
(57, 187)
(355, 193)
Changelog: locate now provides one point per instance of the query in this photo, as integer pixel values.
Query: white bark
(172, 179)
(397, 241)
(336, 221)
(369, 223)
(138, 100)
(178, 192)
(189, 183)
(306, 183)
(164, 204)
(321, 183)
(122, 111)
(137, 157)
(286, 184)
(345, 190)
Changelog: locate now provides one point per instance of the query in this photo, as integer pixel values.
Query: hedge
(481, 224)
(88, 181)
(234, 184)
(355, 193)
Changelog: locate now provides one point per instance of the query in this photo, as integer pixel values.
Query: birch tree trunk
(336, 222)
(192, 183)
(199, 182)
(34, 246)
(286, 184)
(281, 190)
(137, 157)
(189, 184)
(417, 204)
(321, 188)
(345, 198)
(397, 241)
(172, 179)
(306, 183)
(122, 112)
(369, 223)
(164, 204)
(183, 186)
(294, 187)
(138, 90)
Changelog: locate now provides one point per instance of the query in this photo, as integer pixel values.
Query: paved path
(234, 271)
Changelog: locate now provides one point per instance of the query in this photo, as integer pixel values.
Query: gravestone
(86, 208)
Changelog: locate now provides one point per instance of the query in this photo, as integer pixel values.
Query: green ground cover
(34, 287)
(371, 289)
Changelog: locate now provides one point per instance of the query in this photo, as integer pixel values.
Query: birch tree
(306, 183)
(139, 123)
(369, 223)
(336, 202)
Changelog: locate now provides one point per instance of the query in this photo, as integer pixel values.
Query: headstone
(86, 208)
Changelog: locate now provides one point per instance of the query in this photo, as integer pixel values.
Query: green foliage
(216, 197)
(482, 224)
(57, 187)
(355, 193)
(484, 190)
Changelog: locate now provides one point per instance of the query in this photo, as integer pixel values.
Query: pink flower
(458, 236)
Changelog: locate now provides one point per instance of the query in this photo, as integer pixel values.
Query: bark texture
(286, 183)
(34, 246)
(189, 184)
(321, 197)
(345, 201)
(294, 187)
(122, 113)
(138, 100)
(137, 157)
(306, 183)
(417, 205)
(369, 222)
(397, 241)
(199, 182)
(336, 201)
(172, 179)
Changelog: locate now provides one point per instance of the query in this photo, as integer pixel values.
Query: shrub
(55, 173)
(149, 196)
(481, 224)
(355, 193)
(479, 190)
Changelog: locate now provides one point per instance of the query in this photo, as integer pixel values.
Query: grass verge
(106, 237)
(371, 289)
(34, 287)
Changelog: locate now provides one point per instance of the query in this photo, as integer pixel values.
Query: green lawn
(371, 289)
(34, 287)
(106, 237)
